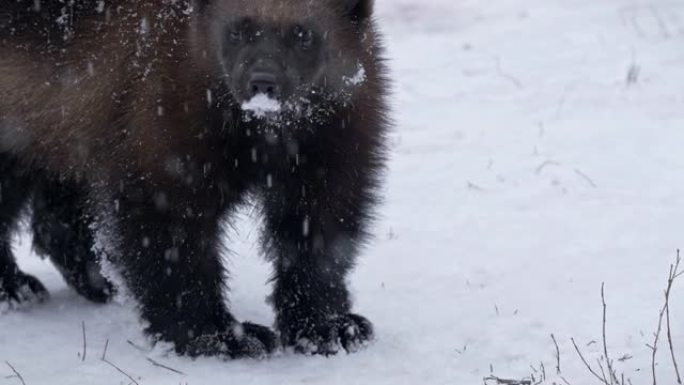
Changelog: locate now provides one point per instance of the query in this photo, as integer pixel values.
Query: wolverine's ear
(358, 10)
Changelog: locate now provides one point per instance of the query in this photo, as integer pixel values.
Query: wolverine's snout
(263, 83)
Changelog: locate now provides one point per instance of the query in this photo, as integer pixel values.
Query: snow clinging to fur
(261, 105)
(358, 78)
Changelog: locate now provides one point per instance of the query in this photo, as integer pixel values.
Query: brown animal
(136, 119)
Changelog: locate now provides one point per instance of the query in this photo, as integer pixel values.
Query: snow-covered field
(538, 152)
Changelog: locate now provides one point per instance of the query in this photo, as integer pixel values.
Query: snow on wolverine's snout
(260, 105)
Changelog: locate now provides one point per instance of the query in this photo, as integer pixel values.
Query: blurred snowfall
(538, 152)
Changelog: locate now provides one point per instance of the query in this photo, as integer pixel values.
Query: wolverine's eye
(240, 31)
(305, 37)
(235, 36)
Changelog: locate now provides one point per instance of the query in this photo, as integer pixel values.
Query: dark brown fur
(127, 110)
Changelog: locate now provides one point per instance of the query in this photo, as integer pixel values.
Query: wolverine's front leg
(315, 219)
(16, 287)
(169, 244)
(62, 230)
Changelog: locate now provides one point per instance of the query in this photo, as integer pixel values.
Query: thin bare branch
(553, 337)
(581, 356)
(665, 311)
(83, 356)
(586, 178)
(16, 373)
(137, 347)
(504, 381)
(674, 273)
(612, 377)
(603, 372)
(506, 75)
(157, 364)
(104, 352)
(120, 371)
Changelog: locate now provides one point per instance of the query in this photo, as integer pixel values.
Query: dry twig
(120, 371)
(104, 351)
(503, 381)
(137, 347)
(16, 374)
(505, 75)
(558, 365)
(581, 356)
(665, 314)
(608, 374)
(157, 364)
(83, 357)
(106, 361)
(612, 377)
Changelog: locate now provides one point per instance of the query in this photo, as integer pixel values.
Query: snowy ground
(537, 154)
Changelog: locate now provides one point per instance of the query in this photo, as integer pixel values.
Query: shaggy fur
(124, 119)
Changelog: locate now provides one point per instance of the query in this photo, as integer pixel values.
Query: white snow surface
(537, 153)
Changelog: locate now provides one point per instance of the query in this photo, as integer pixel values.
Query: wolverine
(133, 129)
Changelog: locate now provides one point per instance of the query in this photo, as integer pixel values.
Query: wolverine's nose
(263, 83)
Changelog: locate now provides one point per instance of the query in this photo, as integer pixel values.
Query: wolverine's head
(280, 56)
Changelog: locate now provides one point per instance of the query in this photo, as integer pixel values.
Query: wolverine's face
(282, 57)
(278, 61)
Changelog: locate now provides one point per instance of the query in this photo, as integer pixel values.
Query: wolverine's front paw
(18, 290)
(242, 340)
(349, 332)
